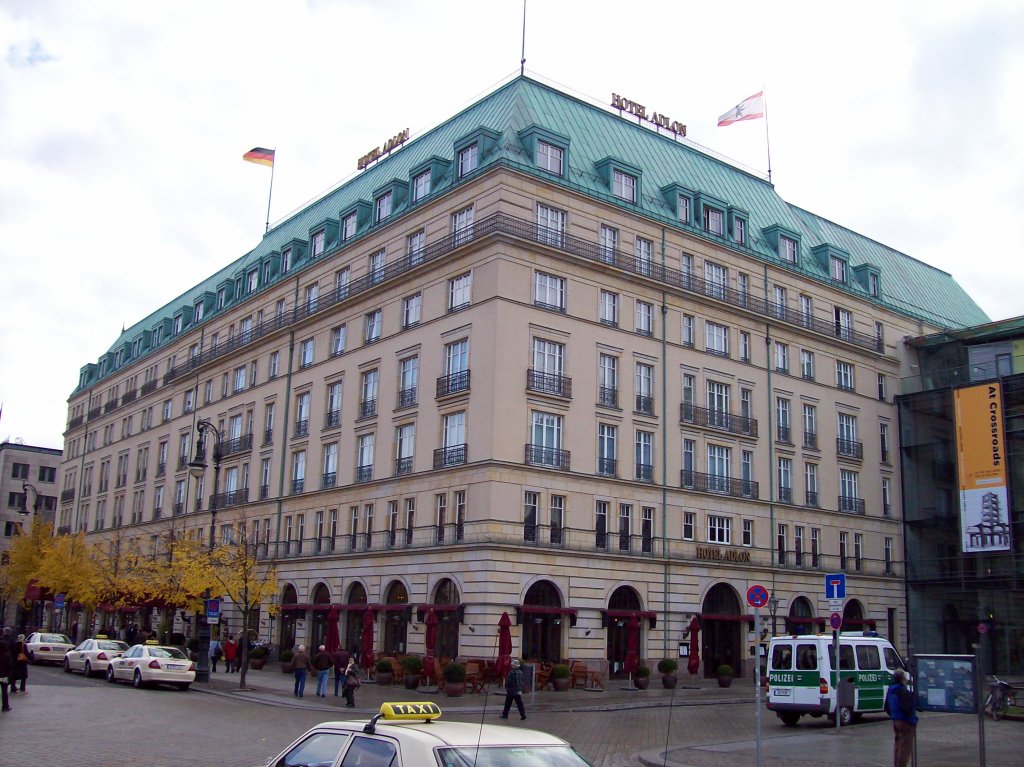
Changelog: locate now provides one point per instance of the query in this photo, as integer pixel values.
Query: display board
(945, 683)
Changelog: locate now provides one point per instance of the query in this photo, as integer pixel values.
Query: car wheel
(32, 658)
(183, 686)
(790, 718)
(110, 673)
(845, 716)
(88, 668)
(67, 666)
(137, 680)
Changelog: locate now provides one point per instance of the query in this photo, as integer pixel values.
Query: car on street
(46, 647)
(409, 734)
(94, 655)
(153, 664)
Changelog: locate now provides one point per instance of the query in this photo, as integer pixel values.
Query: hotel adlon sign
(639, 110)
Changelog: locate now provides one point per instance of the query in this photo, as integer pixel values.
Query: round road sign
(757, 595)
(982, 628)
(835, 620)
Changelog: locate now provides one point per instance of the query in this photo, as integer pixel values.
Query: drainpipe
(81, 471)
(771, 437)
(664, 461)
(284, 431)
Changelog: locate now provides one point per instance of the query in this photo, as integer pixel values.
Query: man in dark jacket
(900, 703)
(514, 691)
(340, 658)
(6, 667)
(300, 666)
(322, 664)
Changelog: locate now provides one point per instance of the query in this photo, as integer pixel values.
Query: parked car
(153, 664)
(94, 655)
(45, 647)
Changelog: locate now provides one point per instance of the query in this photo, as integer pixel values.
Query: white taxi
(409, 734)
(152, 664)
(47, 647)
(94, 655)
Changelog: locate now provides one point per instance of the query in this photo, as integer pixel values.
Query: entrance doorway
(624, 598)
(542, 630)
(355, 603)
(722, 630)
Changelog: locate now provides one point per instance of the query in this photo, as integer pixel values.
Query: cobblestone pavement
(89, 723)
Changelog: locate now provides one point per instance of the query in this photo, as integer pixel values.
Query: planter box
(455, 689)
(669, 681)
(641, 682)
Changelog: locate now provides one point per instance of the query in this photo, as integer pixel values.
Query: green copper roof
(595, 134)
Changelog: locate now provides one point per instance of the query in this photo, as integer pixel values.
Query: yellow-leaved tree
(65, 568)
(24, 557)
(175, 577)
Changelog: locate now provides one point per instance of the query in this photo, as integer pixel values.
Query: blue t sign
(835, 586)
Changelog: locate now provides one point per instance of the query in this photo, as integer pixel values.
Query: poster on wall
(981, 459)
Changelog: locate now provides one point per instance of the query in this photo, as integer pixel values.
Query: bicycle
(1001, 695)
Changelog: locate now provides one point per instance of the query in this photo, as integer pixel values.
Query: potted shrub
(286, 661)
(257, 657)
(724, 675)
(668, 667)
(385, 674)
(413, 666)
(560, 677)
(454, 679)
(642, 678)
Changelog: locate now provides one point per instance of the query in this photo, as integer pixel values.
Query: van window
(845, 656)
(868, 658)
(782, 657)
(892, 659)
(806, 657)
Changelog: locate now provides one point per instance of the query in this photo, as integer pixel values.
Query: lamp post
(773, 607)
(197, 468)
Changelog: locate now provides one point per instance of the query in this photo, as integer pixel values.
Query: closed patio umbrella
(333, 640)
(430, 640)
(632, 662)
(693, 664)
(504, 645)
(366, 658)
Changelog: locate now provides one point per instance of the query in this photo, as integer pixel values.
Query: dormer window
(252, 283)
(837, 269)
(713, 221)
(266, 273)
(467, 160)
(383, 207)
(421, 186)
(873, 284)
(624, 186)
(348, 226)
(549, 158)
(739, 231)
(685, 215)
(318, 244)
(199, 307)
(286, 261)
(177, 325)
(787, 249)
(136, 347)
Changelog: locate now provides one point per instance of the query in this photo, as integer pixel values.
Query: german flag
(260, 156)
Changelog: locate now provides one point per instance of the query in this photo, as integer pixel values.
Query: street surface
(70, 720)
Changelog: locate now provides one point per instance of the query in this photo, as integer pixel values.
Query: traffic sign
(212, 610)
(982, 628)
(757, 595)
(835, 586)
(835, 620)
(58, 601)
(835, 605)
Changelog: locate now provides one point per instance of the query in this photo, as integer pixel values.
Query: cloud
(25, 55)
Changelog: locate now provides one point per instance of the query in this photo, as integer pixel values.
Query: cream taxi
(153, 664)
(94, 655)
(47, 647)
(405, 734)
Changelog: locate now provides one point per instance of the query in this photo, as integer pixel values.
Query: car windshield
(511, 756)
(166, 652)
(108, 645)
(55, 638)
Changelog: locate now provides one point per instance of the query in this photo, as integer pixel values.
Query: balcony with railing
(717, 419)
(644, 472)
(810, 440)
(75, 422)
(268, 437)
(264, 492)
(454, 455)
(328, 480)
(95, 412)
(178, 509)
(67, 495)
(236, 446)
(849, 448)
(368, 408)
(607, 467)
(230, 498)
(110, 406)
(301, 428)
(182, 462)
(716, 483)
(332, 419)
(811, 498)
(403, 466)
(364, 473)
(644, 405)
(407, 397)
(851, 505)
(785, 494)
(552, 458)
(548, 383)
(161, 469)
(453, 383)
(129, 396)
(783, 434)
(149, 387)
(298, 486)
(607, 396)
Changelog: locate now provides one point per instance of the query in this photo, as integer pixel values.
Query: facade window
(883, 440)
(787, 249)
(414, 247)
(408, 381)
(744, 346)
(372, 326)
(848, 481)
(467, 160)
(531, 502)
(785, 480)
(364, 457)
(718, 403)
(609, 308)
(383, 207)
(348, 226)
(781, 302)
(811, 484)
(316, 246)
(200, 307)
(781, 357)
(298, 471)
(837, 269)
(624, 186)
(275, 365)
(557, 517)
(644, 388)
(412, 306)
(807, 364)
(815, 547)
(625, 525)
(421, 186)
(550, 225)
(713, 221)
(886, 497)
(609, 243)
(330, 474)
(240, 373)
(369, 389)
(342, 277)
(689, 453)
(881, 387)
(858, 551)
(888, 556)
(748, 532)
(334, 392)
(222, 300)
(601, 525)
(462, 225)
(688, 330)
(719, 529)
(873, 285)
(843, 319)
(719, 463)
(810, 426)
(459, 290)
(743, 288)
(549, 158)
(844, 544)
(643, 250)
(806, 310)
(716, 279)
(608, 380)
(685, 214)
(339, 337)
(781, 542)
(286, 261)
(377, 262)
(306, 353)
(689, 521)
(716, 338)
(644, 318)
(844, 375)
(782, 420)
(549, 291)
(546, 435)
(607, 438)
(644, 456)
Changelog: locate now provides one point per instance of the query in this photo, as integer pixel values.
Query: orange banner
(981, 460)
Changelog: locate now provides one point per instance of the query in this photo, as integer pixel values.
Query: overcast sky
(122, 126)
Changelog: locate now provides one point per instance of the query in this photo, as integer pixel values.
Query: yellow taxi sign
(418, 711)
(102, 636)
(152, 641)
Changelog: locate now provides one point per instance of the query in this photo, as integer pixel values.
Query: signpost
(212, 611)
(835, 593)
(757, 597)
(835, 620)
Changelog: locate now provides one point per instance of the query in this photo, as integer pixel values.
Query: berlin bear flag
(751, 108)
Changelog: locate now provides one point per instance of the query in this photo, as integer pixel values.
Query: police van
(801, 675)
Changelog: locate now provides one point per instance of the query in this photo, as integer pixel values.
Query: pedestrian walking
(340, 658)
(514, 691)
(900, 704)
(6, 667)
(215, 651)
(322, 663)
(300, 666)
(19, 653)
(230, 650)
(352, 682)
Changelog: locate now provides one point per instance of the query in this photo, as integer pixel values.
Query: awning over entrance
(607, 616)
(459, 610)
(536, 610)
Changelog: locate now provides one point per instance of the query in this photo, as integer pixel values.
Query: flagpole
(271, 194)
(767, 142)
(522, 61)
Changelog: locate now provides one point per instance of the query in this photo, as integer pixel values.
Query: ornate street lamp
(197, 468)
(26, 486)
(773, 607)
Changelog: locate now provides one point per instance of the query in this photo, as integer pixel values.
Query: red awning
(33, 591)
(651, 616)
(295, 607)
(522, 610)
(740, 618)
